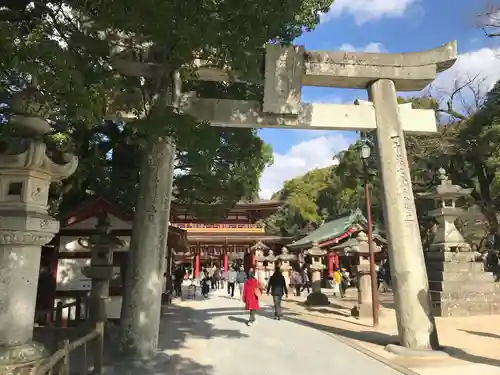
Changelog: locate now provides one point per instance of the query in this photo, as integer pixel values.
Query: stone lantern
(359, 245)
(316, 298)
(271, 263)
(258, 250)
(26, 172)
(458, 283)
(101, 244)
(447, 237)
(285, 258)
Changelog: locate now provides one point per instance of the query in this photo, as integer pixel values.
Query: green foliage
(300, 207)
(62, 52)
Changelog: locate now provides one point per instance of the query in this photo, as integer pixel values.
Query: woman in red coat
(251, 293)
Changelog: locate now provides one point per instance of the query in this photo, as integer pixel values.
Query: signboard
(70, 276)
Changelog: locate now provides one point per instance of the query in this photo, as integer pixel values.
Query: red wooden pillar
(225, 263)
(330, 263)
(196, 265)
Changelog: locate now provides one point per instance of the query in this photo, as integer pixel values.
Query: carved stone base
(20, 359)
(317, 299)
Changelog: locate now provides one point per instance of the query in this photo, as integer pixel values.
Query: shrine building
(230, 239)
(339, 239)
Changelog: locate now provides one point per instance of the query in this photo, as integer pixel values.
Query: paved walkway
(210, 337)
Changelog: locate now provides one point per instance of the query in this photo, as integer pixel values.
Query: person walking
(306, 282)
(344, 283)
(205, 284)
(337, 279)
(211, 274)
(296, 281)
(277, 287)
(178, 279)
(241, 277)
(251, 294)
(231, 280)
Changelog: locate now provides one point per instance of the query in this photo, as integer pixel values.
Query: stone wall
(460, 286)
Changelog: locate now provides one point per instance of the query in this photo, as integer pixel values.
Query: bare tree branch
(489, 19)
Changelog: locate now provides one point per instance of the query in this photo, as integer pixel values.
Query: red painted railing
(217, 226)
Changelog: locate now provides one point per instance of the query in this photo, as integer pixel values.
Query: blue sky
(379, 26)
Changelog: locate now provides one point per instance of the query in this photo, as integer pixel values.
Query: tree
(73, 55)
(489, 19)
(300, 209)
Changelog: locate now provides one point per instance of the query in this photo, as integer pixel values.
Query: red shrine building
(228, 240)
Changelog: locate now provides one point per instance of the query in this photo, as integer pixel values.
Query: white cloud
(302, 157)
(482, 65)
(368, 10)
(375, 47)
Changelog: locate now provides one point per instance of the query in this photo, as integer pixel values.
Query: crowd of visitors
(250, 289)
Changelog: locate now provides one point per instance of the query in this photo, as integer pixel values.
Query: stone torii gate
(287, 69)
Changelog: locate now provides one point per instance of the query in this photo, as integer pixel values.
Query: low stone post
(364, 308)
(260, 270)
(317, 298)
(285, 259)
(102, 244)
(25, 176)
(271, 262)
(258, 251)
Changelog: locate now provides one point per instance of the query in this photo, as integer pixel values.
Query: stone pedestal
(460, 286)
(285, 259)
(316, 298)
(364, 309)
(25, 175)
(260, 273)
(101, 268)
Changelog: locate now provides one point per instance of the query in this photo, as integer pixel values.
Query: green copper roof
(331, 229)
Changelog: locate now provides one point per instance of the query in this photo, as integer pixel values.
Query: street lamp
(365, 155)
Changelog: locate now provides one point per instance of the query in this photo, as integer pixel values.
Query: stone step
(461, 286)
(460, 309)
(460, 276)
(454, 267)
(465, 296)
(452, 257)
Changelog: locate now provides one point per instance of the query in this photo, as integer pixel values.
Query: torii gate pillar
(416, 324)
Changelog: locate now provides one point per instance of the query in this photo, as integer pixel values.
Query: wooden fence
(59, 362)
(67, 314)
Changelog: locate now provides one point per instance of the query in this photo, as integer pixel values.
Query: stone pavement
(210, 337)
(472, 342)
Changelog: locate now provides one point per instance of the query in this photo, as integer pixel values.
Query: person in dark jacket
(277, 287)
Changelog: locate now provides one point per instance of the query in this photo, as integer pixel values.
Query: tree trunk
(141, 306)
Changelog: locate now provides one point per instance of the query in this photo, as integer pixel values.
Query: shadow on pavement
(237, 319)
(483, 334)
(383, 339)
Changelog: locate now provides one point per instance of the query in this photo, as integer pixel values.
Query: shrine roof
(260, 202)
(257, 204)
(330, 230)
(94, 207)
